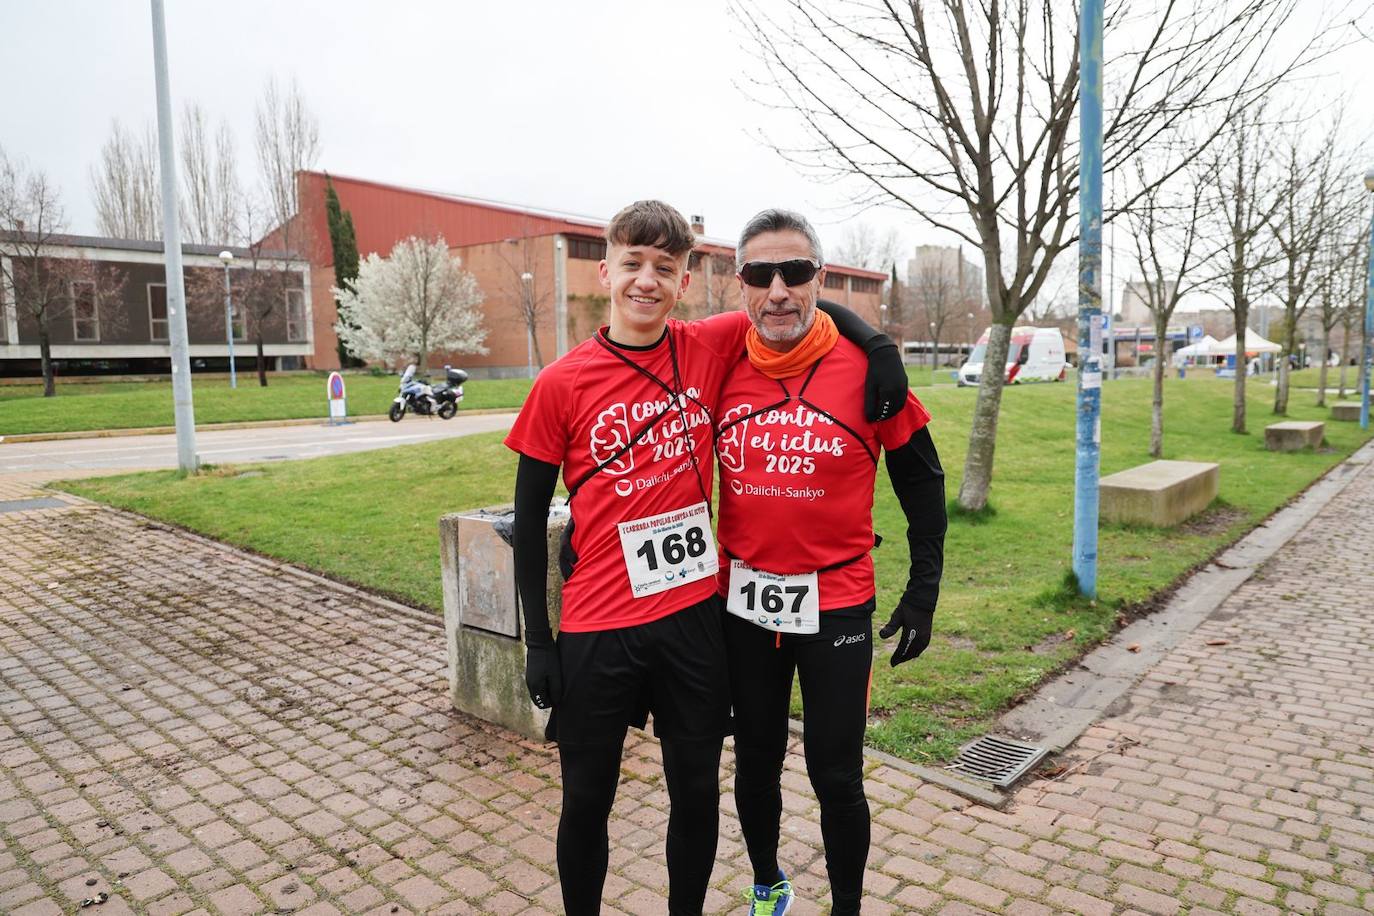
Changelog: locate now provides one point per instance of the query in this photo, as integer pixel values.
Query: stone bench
(1294, 435)
(1346, 410)
(1161, 493)
(482, 617)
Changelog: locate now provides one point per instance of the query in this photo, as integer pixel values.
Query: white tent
(1253, 344)
(1207, 346)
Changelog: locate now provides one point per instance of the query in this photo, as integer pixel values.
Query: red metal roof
(385, 213)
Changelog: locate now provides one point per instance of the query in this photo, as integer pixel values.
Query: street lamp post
(227, 258)
(528, 305)
(934, 348)
(1365, 354)
(971, 342)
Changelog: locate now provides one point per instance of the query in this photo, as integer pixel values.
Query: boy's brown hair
(654, 224)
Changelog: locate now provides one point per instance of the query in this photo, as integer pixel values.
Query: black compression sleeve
(853, 328)
(534, 484)
(919, 482)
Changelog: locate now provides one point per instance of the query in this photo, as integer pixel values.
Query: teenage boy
(795, 449)
(628, 416)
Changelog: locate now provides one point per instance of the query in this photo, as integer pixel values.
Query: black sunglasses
(794, 272)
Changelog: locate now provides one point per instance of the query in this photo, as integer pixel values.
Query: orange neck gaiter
(819, 340)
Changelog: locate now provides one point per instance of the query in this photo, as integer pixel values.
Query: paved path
(237, 445)
(190, 729)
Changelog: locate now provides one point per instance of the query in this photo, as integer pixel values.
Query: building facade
(538, 270)
(104, 304)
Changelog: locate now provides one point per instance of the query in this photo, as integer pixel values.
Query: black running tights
(590, 775)
(833, 667)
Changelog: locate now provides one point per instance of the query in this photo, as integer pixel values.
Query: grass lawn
(133, 405)
(1004, 623)
(1308, 378)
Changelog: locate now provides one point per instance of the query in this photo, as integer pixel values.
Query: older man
(798, 461)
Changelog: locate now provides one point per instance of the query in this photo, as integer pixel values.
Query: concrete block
(1346, 411)
(482, 617)
(1294, 435)
(1161, 493)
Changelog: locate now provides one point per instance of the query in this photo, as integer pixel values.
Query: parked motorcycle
(449, 392)
(421, 398)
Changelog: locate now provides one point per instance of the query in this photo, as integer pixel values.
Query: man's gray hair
(774, 220)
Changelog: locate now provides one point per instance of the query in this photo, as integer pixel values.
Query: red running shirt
(587, 404)
(796, 487)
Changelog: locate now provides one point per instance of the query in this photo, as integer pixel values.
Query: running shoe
(770, 901)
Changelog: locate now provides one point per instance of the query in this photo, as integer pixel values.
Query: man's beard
(788, 335)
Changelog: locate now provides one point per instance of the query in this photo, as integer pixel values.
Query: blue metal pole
(1368, 343)
(1089, 437)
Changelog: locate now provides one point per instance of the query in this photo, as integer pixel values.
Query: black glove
(885, 385)
(543, 673)
(915, 626)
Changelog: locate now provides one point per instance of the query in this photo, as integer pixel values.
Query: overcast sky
(568, 106)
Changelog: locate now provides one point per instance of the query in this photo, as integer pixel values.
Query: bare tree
(43, 286)
(1247, 197)
(262, 278)
(128, 197)
(210, 196)
(1164, 224)
(287, 141)
(865, 246)
(1340, 283)
(965, 116)
(938, 296)
(1310, 198)
(717, 274)
(522, 283)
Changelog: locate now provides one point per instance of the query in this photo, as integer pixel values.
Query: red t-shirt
(586, 405)
(796, 487)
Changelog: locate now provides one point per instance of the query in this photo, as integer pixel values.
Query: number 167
(770, 597)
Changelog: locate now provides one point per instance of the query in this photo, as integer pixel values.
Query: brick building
(525, 260)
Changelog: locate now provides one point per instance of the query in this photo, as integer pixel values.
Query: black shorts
(674, 668)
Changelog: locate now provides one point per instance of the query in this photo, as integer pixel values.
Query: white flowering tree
(416, 301)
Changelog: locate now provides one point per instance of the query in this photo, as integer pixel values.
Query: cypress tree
(344, 243)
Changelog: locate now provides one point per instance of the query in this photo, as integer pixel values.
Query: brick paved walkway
(187, 728)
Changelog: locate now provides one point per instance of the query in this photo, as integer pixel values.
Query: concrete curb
(1064, 708)
(214, 427)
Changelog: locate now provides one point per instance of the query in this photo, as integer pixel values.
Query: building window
(85, 312)
(864, 285)
(295, 315)
(586, 249)
(834, 281)
(157, 311)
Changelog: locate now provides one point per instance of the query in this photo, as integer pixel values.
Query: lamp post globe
(226, 258)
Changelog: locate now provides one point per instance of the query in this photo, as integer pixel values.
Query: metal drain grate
(21, 505)
(1000, 761)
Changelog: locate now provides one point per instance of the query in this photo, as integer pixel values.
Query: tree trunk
(534, 342)
(1281, 392)
(262, 364)
(45, 354)
(1326, 359)
(1157, 399)
(1345, 358)
(982, 437)
(1242, 368)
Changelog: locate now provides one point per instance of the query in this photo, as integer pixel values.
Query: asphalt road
(239, 446)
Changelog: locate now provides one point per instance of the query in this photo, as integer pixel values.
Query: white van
(1034, 355)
